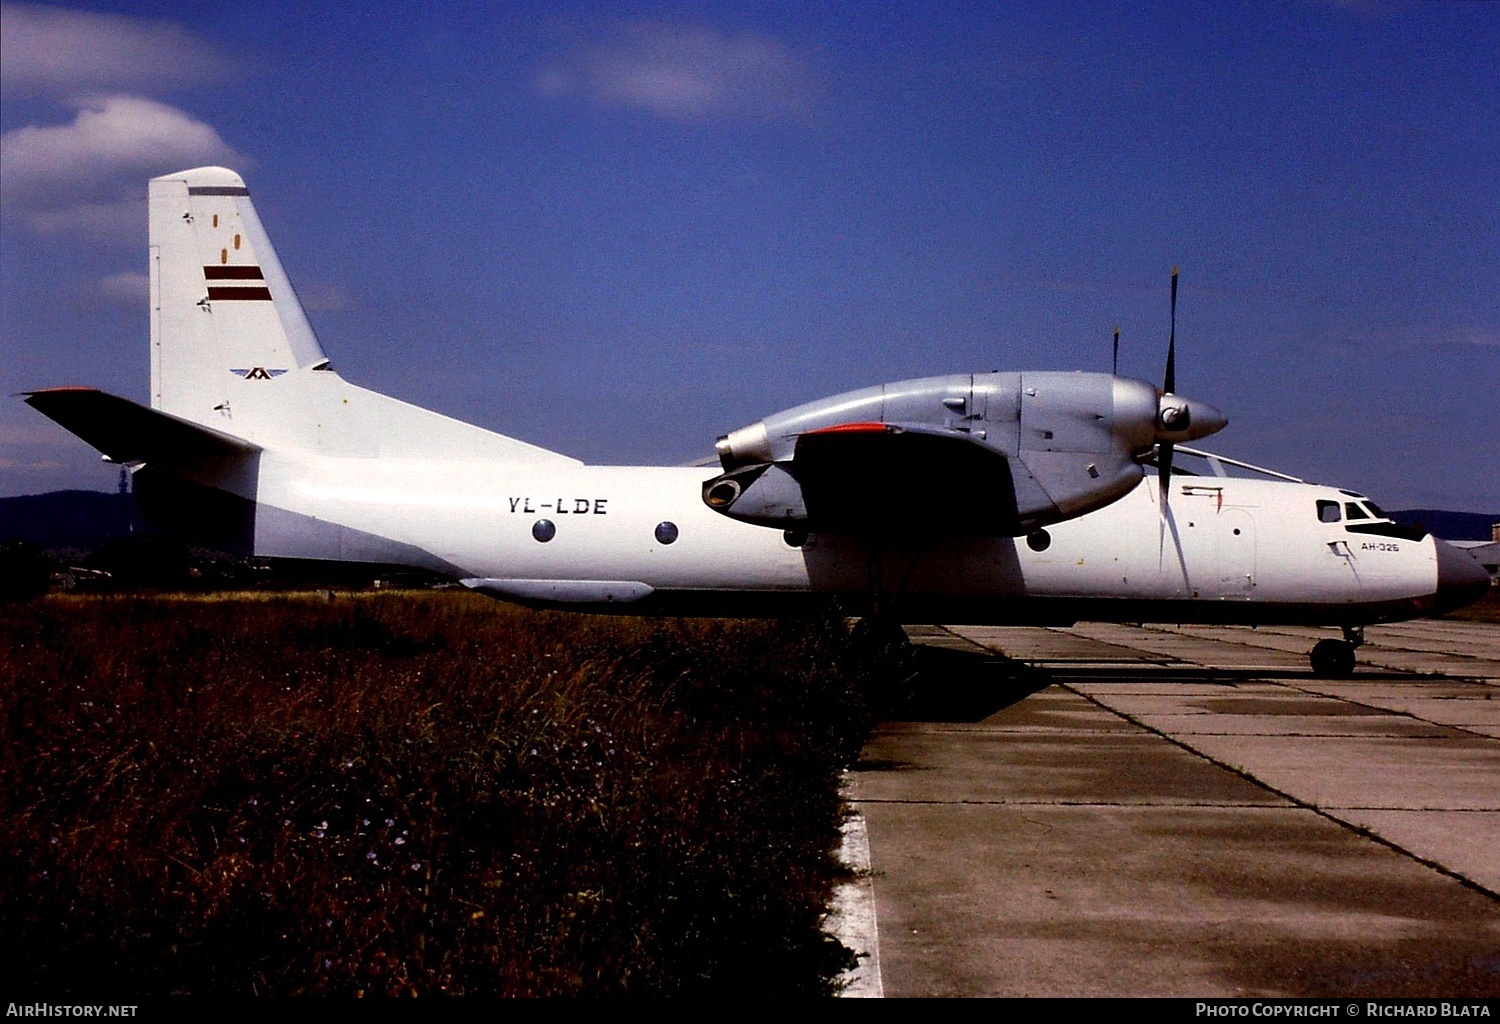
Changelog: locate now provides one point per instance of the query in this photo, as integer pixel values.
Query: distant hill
(58, 520)
(1449, 525)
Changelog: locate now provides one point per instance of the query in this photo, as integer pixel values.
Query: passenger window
(1328, 511)
(1353, 511)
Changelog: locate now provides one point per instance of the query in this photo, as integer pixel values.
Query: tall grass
(418, 793)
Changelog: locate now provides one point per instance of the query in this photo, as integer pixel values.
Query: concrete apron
(1111, 810)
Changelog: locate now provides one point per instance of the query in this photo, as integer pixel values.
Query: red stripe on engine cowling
(850, 428)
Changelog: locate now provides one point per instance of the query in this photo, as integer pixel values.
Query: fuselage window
(1328, 511)
(1353, 511)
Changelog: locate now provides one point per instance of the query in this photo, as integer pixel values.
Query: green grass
(395, 794)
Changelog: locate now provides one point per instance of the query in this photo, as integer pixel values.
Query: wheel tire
(1332, 659)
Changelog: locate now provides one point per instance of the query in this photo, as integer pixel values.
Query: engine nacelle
(1000, 453)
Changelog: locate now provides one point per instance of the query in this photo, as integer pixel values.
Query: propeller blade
(1114, 367)
(1170, 384)
(1164, 449)
(1164, 481)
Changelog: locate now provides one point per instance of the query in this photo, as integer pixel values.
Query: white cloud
(112, 135)
(128, 286)
(51, 49)
(687, 74)
(89, 177)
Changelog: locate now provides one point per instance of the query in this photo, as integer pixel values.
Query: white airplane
(978, 498)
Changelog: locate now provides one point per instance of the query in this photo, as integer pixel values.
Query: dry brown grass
(417, 793)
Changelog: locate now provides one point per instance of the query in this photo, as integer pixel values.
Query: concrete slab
(1467, 706)
(1462, 649)
(985, 900)
(1468, 840)
(1356, 771)
(1160, 817)
(915, 764)
(1287, 726)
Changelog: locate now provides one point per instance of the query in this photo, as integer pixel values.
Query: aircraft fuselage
(641, 538)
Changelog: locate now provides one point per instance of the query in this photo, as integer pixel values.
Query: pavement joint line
(1400, 697)
(1321, 812)
(1322, 735)
(1304, 690)
(1443, 810)
(1373, 645)
(1143, 804)
(1033, 730)
(1130, 657)
(1467, 730)
(963, 639)
(1169, 659)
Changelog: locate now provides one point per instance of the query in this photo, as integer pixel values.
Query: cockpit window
(1375, 510)
(1352, 510)
(1328, 511)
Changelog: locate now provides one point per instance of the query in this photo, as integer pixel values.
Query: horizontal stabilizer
(127, 432)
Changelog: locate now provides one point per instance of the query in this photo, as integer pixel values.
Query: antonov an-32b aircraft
(973, 498)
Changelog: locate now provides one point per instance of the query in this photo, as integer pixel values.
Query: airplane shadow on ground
(966, 686)
(942, 685)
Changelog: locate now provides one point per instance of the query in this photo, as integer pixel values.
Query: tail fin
(219, 298)
(231, 348)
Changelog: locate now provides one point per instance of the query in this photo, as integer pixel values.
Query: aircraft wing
(882, 477)
(126, 431)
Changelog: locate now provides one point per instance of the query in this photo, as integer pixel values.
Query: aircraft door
(1234, 550)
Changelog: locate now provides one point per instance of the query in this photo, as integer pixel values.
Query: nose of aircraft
(1460, 579)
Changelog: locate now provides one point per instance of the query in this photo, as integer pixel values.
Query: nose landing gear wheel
(1332, 659)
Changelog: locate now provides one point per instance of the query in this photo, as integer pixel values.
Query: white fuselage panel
(1225, 541)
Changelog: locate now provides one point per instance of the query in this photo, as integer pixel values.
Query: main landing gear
(1334, 659)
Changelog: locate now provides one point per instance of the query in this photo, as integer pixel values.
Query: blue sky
(622, 230)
